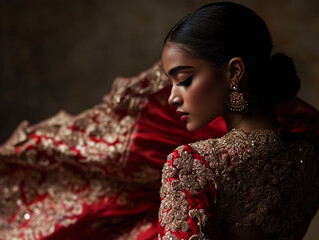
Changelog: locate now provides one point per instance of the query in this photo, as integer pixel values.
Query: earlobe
(236, 68)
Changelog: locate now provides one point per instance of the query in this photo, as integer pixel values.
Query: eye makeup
(185, 83)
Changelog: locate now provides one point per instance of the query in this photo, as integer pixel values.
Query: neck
(252, 119)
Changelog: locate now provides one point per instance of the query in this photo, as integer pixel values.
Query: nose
(175, 98)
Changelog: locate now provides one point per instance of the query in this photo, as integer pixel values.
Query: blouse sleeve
(188, 197)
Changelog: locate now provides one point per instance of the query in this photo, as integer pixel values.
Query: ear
(236, 68)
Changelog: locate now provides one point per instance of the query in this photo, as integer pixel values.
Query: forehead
(174, 55)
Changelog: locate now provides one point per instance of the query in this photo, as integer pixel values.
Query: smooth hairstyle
(217, 32)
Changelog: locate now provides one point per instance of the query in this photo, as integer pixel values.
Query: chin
(192, 128)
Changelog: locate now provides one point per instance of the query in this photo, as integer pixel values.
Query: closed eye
(185, 83)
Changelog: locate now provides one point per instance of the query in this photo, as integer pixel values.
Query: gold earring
(236, 103)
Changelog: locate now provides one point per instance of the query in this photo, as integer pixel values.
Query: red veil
(97, 175)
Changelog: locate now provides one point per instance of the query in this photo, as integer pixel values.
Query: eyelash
(185, 83)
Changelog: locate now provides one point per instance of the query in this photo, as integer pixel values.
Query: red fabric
(295, 116)
(204, 199)
(113, 189)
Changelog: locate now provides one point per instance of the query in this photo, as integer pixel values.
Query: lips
(183, 115)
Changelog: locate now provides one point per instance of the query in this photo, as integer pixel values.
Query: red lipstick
(183, 116)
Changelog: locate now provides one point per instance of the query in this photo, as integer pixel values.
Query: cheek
(209, 94)
(218, 94)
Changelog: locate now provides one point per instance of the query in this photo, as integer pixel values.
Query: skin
(203, 98)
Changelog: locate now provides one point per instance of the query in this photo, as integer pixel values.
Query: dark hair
(218, 32)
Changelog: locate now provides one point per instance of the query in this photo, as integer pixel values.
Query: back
(263, 184)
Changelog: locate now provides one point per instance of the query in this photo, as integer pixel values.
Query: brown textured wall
(64, 54)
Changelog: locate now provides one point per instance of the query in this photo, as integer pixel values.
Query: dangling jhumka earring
(236, 102)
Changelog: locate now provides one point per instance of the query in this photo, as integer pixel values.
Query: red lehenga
(97, 175)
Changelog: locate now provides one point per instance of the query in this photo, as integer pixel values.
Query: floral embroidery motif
(128, 93)
(62, 200)
(51, 172)
(261, 179)
(189, 175)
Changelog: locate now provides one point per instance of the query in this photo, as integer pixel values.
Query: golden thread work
(236, 103)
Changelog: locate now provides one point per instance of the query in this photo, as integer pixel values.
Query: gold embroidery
(128, 93)
(95, 144)
(190, 174)
(101, 135)
(168, 236)
(139, 228)
(202, 219)
(264, 178)
(62, 200)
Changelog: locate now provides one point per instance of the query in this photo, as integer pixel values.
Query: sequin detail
(182, 175)
(265, 178)
(52, 172)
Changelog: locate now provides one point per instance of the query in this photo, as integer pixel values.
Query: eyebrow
(178, 68)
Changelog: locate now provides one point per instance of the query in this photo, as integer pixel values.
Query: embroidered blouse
(96, 175)
(265, 182)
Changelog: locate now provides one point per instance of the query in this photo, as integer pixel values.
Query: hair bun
(283, 78)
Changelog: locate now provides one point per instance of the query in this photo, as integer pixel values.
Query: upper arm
(187, 196)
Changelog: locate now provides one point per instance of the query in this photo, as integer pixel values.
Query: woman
(258, 180)
(97, 175)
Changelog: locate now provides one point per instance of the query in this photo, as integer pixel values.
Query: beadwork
(236, 102)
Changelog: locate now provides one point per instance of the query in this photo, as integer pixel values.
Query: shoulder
(187, 194)
(191, 157)
(237, 140)
(235, 145)
(186, 169)
(210, 152)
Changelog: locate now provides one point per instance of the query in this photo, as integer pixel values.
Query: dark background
(65, 54)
